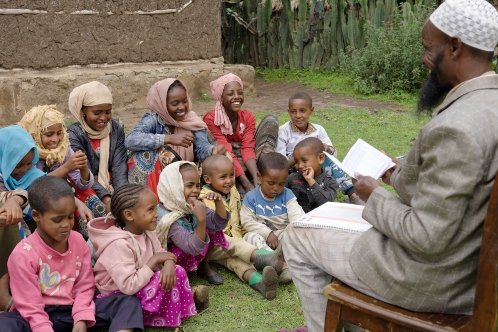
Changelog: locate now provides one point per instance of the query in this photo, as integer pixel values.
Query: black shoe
(210, 276)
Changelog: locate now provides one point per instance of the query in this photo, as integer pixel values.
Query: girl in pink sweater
(130, 259)
(51, 277)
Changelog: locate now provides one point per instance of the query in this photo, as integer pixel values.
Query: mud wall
(56, 33)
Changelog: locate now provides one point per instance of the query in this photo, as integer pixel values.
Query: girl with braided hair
(131, 260)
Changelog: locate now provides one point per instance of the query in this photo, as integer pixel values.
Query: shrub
(391, 59)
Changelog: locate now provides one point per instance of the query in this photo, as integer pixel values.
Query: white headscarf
(91, 94)
(170, 191)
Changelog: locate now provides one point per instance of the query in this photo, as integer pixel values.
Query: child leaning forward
(131, 260)
(311, 185)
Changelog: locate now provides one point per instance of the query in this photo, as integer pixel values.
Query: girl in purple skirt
(186, 227)
(131, 260)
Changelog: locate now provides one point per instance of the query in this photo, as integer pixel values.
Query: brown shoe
(268, 258)
(268, 286)
(201, 297)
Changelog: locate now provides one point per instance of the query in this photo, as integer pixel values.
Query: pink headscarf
(220, 116)
(157, 102)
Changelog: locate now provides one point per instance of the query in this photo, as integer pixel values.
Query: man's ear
(258, 180)
(456, 47)
(206, 178)
(321, 158)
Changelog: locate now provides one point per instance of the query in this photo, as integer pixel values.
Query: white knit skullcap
(475, 22)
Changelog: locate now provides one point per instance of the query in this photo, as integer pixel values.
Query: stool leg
(333, 317)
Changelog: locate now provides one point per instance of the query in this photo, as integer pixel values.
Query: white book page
(364, 159)
(335, 215)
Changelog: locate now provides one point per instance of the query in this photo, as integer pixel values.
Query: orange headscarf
(220, 116)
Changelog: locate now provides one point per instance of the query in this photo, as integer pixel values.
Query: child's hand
(184, 139)
(272, 241)
(309, 175)
(329, 149)
(219, 149)
(160, 258)
(107, 202)
(83, 210)
(214, 196)
(11, 212)
(77, 161)
(79, 326)
(198, 209)
(168, 275)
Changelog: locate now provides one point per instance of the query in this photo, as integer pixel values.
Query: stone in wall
(57, 33)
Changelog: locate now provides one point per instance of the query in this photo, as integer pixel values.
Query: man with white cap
(422, 251)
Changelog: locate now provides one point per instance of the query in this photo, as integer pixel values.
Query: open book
(335, 215)
(364, 159)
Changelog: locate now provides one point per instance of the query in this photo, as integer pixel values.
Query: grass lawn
(234, 305)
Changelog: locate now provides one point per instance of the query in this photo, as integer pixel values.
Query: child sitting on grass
(270, 207)
(51, 276)
(131, 260)
(46, 125)
(101, 138)
(169, 132)
(240, 257)
(235, 128)
(186, 227)
(292, 132)
(310, 184)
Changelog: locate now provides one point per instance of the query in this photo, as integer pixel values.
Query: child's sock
(264, 257)
(265, 283)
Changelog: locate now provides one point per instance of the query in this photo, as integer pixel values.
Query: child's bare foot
(5, 298)
(201, 297)
(268, 284)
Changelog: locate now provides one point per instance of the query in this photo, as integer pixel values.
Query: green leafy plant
(391, 59)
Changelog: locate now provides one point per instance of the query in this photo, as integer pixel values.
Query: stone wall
(22, 89)
(56, 33)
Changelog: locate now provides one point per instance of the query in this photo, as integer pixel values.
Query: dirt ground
(272, 97)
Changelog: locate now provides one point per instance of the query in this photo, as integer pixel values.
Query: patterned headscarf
(36, 121)
(15, 144)
(91, 94)
(170, 192)
(220, 116)
(157, 98)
